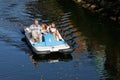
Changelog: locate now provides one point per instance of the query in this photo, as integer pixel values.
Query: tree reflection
(48, 9)
(102, 39)
(112, 64)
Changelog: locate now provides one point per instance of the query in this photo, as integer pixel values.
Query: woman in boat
(44, 29)
(35, 31)
(54, 31)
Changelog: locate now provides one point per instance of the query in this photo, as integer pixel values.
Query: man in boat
(36, 32)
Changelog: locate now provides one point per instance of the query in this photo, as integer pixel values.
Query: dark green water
(95, 40)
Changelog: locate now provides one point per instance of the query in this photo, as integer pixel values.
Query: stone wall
(110, 9)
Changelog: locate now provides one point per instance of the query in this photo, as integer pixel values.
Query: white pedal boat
(49, 44)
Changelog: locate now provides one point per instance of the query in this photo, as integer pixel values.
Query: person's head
(52, 25)
(44, 26)
(36, 22)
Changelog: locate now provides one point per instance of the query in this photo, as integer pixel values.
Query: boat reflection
(50, 58)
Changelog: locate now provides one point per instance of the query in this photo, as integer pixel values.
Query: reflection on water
(100, 58)
(102, 40)
(50, 58)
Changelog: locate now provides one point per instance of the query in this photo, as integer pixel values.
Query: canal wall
(106, 8)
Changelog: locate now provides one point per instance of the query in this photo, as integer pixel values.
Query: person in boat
(35, 31)
(44, 29)
(54, 31)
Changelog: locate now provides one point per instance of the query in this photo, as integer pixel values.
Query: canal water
(95, 41)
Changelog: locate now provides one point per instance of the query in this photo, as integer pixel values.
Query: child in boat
(54, 31)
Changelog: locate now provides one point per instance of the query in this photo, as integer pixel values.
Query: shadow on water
(50, 58)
